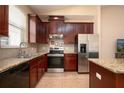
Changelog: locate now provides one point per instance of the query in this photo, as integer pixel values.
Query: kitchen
(60, 41)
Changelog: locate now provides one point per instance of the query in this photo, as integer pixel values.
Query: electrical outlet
(98, 76)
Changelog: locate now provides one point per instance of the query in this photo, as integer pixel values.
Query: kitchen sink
(26, 56)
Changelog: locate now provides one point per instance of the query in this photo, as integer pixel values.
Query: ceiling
(47, 8)
(39, 9)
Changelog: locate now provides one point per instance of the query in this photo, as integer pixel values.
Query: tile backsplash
(43, 48)
(13, 52)
(33, 48)
(8, 52)
(69, 48)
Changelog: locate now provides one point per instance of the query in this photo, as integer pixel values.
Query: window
(15, 35)
(17, 28)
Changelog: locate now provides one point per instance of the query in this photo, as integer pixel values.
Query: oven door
(55, 62)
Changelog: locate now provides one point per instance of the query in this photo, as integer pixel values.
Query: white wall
(112, 28)
(25, 10)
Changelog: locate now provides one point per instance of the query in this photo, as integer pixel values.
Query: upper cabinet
(72, 29)
(56, 24)
(84, 28)
(69, 34)
(34, 29)
(88, 28)
(44, 32)
(38, 31)
(4, 20)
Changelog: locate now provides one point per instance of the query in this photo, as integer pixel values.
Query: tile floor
(64, 80)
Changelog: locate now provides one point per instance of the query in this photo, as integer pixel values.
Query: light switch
(98, 76)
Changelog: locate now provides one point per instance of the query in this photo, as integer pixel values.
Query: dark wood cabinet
(39, 31)
(37, 69)
(33, 73)
(56, 24)
(53, 27)
(34, 29)
(40, 68)
(101, 77)
(69, 33)
(45, 62)
(4, 20)
(44, 32)
(80, 28)
(88, 28)
(70, 62)
(60, 27)
(57, 27)
(84, 28)
(72, 29)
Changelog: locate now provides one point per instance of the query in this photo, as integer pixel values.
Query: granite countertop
(114, 65)
(70, 53)
(8, 63)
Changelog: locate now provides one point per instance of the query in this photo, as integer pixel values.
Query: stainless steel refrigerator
(86, 47)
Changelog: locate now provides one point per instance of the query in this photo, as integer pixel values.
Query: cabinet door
(45, 32)
(47, 24)
(53, 27)
(42, 62)
(33, 76)
(46, 62)
(4, 20)
(69, 34)
(80, 28)
(33, 72)
(31, 29)
(60, 27)
(57, 27)
(39, 69)
(38, 30)
(34, 29)
(89, 28)
(84, 28)
(70, 62)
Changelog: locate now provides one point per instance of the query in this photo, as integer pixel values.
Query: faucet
(21, 52)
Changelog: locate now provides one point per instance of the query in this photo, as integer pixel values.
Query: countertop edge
(108, 68)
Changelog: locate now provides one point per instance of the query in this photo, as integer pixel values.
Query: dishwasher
(16, 77)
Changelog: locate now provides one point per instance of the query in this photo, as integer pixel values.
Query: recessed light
(56, 18)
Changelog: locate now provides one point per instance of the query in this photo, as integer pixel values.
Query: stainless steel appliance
(56, 53)
(55, 62)
(87, 47)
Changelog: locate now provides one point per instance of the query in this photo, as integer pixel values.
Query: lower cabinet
(45, 62)
(37, 69)
(101, 77)
(40, 67)
(33, 74)
(70, 62)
